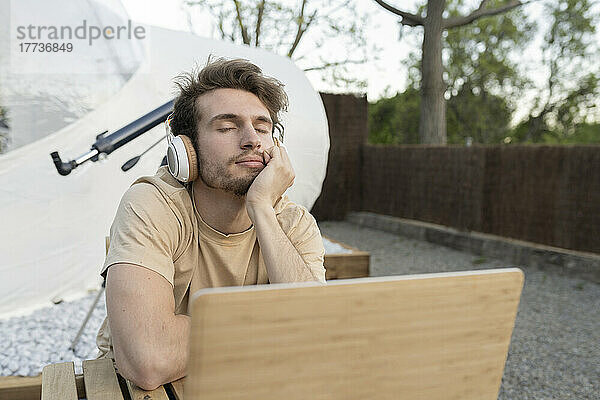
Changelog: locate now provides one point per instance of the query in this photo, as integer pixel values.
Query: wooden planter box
(20, 387)
(346, 265)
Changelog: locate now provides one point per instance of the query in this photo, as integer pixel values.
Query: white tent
(53, 227)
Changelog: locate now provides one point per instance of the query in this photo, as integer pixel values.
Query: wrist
(258, 210)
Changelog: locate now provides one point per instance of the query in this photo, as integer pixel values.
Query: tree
(571, 88)
(432, 122)
(282, 28)
(483, 83)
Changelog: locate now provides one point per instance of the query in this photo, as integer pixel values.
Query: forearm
(283, 262)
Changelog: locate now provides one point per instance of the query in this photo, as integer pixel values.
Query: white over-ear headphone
(181, 155)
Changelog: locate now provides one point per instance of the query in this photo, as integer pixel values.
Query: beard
(218, 176)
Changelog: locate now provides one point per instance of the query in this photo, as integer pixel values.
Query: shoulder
(154, 213)
(144, 202)
(143, 194)
(159, 194)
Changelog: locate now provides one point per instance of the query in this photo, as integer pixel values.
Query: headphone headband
(168, 125)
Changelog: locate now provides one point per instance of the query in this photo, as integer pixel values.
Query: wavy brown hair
(222, 73)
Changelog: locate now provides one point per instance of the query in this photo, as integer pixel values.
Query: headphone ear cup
(181, 159)
(191, 156)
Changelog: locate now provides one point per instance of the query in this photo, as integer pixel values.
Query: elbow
(319, 276)
(148, 374)
(146, 381)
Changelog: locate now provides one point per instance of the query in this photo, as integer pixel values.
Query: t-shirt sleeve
(144, 232)
(303, 232)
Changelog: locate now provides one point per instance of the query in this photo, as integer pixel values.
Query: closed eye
(225, 129)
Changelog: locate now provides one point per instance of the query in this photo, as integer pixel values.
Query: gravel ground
(43, 337)
(555, 347)
(554, 352)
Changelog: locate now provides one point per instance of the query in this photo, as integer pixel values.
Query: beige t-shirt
(158, 227)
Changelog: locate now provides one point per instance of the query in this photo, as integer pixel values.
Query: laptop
(429, 336)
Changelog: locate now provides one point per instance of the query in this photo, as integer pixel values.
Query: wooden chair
(99, 381)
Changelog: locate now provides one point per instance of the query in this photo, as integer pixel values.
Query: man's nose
(250, 138)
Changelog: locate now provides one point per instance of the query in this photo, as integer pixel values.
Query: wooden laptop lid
(432, 336)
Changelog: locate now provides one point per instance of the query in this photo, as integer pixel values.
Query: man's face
(233, 131)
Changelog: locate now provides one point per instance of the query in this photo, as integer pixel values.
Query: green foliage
(481, 55)
(395, 120)
(484, 80)
(582, 133)
(571, 90)
(483, 117)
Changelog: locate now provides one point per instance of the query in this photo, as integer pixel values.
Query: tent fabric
(53, 227)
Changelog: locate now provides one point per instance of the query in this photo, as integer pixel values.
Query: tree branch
(221, 19)
(301, 28)
(334, 64)
(261, 10)
(238, 11)
(481, 12)
(408, 19)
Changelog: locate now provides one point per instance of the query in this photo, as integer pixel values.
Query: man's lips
(251, 162)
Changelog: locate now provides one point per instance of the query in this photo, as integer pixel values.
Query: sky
(387, 74)
(381, 73)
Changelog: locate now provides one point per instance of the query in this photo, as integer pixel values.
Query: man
(229, 227)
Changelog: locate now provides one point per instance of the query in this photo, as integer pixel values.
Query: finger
(269, 154)
(266, 157)
(271, 149)
(274, 152)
